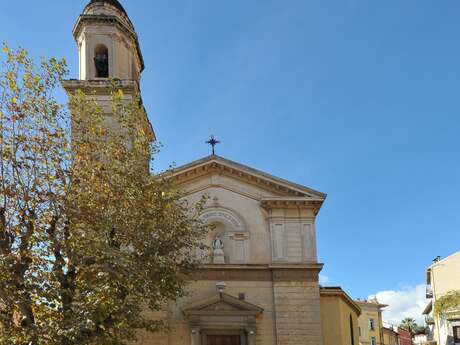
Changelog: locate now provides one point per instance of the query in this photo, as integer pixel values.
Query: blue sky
(355, 98)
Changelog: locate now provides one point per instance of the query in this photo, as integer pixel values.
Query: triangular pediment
(222, 303)
(275, 187)
(220, 306)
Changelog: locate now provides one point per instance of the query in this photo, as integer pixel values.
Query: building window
(101, 61)
(456, 334)
(373, 341)
(372, 324)
(352, 331)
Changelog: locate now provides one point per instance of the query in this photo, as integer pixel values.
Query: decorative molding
(224, 215)
(241, 172)
(102, 88)
(277, 203)
(85, 19)
(222, 314)
(238, 236)
(210, 306)
(99, 87)
(269, 273)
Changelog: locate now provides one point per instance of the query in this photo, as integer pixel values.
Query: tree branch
(5, 237)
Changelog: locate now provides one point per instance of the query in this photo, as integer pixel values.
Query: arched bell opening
(101, 61)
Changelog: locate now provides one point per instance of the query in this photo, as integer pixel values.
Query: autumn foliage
(90, 240)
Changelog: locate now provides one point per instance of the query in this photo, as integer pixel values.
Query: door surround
(205, 334)
(222, 314)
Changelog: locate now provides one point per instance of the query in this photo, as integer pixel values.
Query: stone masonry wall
(297, 313)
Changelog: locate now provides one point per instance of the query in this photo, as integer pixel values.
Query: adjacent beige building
(339, 317)
(259, 283)
(442, 277)
(370, 322)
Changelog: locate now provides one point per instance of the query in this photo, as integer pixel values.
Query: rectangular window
(373, 341)
(372, 324)
(457, 334)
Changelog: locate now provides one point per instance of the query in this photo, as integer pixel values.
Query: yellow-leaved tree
(89, 239)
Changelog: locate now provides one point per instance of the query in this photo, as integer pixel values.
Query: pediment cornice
(222, 303)
(290, 203)
(287, 191)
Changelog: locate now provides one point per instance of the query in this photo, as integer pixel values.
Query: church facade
(259, 285)
(264, 288)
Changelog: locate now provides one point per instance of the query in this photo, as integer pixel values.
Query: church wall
(105, 103)
(290, 295)
(291, 313)
(123, 71)
(82, 53)
(256, 292)
(243, 187)
(253, 216)
(279, 235)
(293, 235)
(221, 180)
(297, 310)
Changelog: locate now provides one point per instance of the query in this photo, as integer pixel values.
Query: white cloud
(323, 279)
(406, 302)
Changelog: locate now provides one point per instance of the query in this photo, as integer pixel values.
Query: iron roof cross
(213, 142)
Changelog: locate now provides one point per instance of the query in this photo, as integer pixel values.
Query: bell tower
(109, 52)
(107, 43)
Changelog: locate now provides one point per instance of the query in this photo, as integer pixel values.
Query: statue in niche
(101, 60)
(218, 250)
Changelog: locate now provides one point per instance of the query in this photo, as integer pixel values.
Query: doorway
(456, 332)
(223, 340)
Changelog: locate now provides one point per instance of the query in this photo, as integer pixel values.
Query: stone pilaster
(195, 337)
(297, 312)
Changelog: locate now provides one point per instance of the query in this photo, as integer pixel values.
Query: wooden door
(224, 340)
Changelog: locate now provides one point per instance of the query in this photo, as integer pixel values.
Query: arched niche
(224, 216)
(101, 61)
(231, 228)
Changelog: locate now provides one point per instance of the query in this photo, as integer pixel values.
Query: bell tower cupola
(108, 46)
